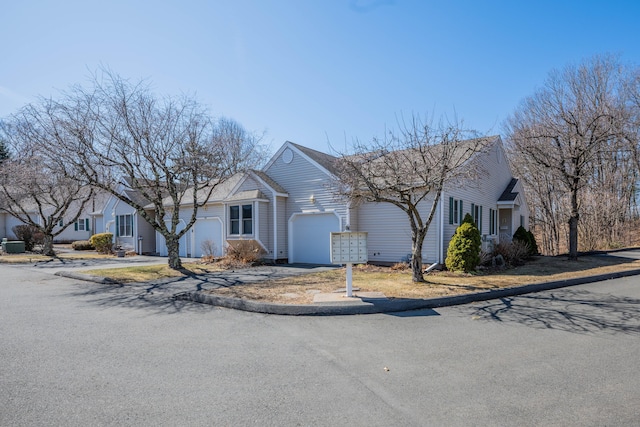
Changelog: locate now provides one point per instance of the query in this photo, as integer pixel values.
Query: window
(60, 222)
(476, 212)
(82, 224)
(493, 221)
(455, 211)
(241, 219)
(124, 225)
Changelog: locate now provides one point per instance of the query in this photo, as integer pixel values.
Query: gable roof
(325, 160)
(219, 193)
(269, 181)
(508, 195)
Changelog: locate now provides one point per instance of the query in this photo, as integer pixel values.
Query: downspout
(347, 226)
(441, 225)
(275, 227)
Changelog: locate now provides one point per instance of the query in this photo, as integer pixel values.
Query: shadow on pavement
(569, 310)
(415, 313)
(145, 297)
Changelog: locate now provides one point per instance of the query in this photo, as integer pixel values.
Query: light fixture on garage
(312, 199)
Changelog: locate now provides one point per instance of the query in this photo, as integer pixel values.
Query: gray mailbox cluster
(349, 247)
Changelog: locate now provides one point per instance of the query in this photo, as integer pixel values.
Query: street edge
(372, 306)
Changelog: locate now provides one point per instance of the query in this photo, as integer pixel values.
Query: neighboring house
(130, 231)
(81, 229)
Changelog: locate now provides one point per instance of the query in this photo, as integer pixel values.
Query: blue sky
(314, 71)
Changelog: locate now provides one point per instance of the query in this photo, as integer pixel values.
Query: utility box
(13, 247)
(349, 248)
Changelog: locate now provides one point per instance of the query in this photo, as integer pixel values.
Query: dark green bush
(526, 237)
(468, 219)
(463, 253)
(82, 245)
(533, 244)
(103, 242)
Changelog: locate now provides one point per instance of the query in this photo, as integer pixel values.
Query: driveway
(77, 353)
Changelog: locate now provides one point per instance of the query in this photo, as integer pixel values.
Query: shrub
(486, 258)
(208, 248)
(246, 251)
(468, 219)
(82, 245)
(514, 253)
(103, 242)
(533, 244)
(29, 234)
(526, 237)
(463, 253)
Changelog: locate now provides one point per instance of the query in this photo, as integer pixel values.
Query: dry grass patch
(396, 282)
(32, 257)
(148, 273)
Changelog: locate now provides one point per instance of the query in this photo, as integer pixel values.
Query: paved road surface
(78, 354)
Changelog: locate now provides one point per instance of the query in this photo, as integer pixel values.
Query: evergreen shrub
(103, 242)
(463, 253)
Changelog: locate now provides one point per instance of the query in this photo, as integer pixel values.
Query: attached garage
(161, 243)
(207, 236)
(310, 237)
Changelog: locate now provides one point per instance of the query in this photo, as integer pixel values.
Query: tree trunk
(173, 249)
(47, 246)
(573, 226)
(416, 256)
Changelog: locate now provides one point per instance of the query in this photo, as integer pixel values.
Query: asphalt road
(79, 354)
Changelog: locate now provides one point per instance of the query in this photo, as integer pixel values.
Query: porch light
(312, 199)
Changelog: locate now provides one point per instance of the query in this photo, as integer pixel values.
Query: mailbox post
(349, 248)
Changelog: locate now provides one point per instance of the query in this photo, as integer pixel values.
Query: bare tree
(409, 170)
(567, 124)
(164, 148)
(32, 191)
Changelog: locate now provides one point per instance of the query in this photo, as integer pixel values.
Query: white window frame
(242, 220)
(126, 221)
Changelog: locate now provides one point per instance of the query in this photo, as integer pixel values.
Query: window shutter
(117, 233)
(450, 210)
(461, 213)
(480, 220)
(75, 226)
(473, 213)
(86, 224)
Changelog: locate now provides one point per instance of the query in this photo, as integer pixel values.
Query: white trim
(275, 227)
(441, 239)
(273, 190)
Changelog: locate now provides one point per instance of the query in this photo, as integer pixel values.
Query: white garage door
(207, 234)
(310, 237)
(184, 242)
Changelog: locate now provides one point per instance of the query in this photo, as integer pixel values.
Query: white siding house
(493, 197)
(289, 209)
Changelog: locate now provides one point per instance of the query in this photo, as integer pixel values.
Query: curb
(87, 277)
(373, 306)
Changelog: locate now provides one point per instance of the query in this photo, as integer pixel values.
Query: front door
(505, 225)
